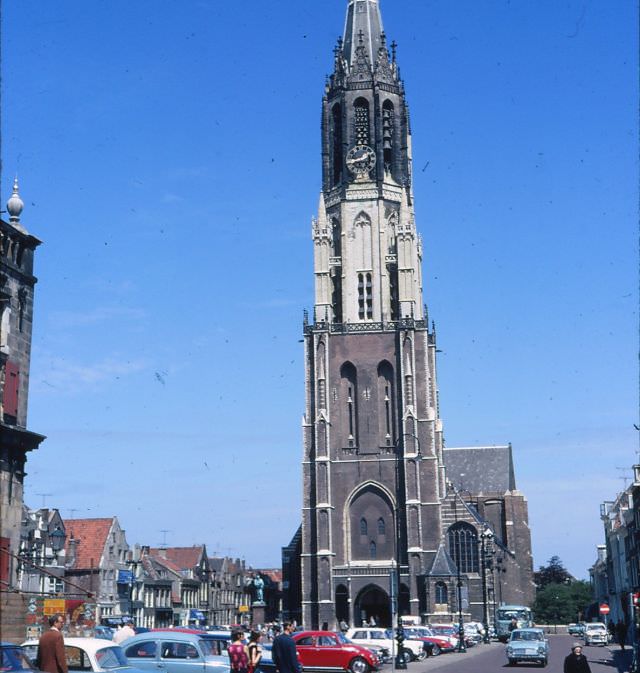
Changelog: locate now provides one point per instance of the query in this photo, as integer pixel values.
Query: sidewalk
(609, 659)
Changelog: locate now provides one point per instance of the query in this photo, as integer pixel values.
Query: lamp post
(485, 537)
(461, 644)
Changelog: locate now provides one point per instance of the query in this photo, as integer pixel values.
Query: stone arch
(372, 601)
(370, 502)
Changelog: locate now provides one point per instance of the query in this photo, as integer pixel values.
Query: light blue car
(528, 645)
(173, 651)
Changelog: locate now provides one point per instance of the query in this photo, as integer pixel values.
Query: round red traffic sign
(604, 609)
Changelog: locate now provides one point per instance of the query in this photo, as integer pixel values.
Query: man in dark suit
(283, 651)
(51, 658)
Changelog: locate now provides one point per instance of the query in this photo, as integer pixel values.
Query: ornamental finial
(15, 203)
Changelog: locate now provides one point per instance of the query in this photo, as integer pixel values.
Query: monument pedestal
(258, 611)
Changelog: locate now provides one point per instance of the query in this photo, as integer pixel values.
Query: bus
(506, 613)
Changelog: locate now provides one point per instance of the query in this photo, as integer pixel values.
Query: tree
(561, 603)
(553, 573)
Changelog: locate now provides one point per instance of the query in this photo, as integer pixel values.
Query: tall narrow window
(392, 273)
(351, 416)
(362, 122)
(361, 313)
(337, 144)
(369, 297)
(381, 526)
(385, 404)
(387, 135)
(441, 593)
(336, 294)
(373, 550)
(348, 405)
(363, 526)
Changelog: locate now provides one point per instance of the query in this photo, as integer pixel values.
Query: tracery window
(463, 547)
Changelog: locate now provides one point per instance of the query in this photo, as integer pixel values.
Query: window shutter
(11, 386)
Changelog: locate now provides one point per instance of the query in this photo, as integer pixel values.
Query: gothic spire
(363, 28)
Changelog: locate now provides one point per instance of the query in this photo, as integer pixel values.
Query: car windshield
(14, 659)
(596, 627)
(506, 615)
(525, 635)
(111, 657)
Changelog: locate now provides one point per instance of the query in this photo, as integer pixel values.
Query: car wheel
(436, 650)
(543, 663)
(512, 662)
(422, 655)
(407, 655)
(359, 665)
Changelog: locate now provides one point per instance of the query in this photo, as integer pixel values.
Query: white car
(595, 634)
(89, 654)
(369, 636)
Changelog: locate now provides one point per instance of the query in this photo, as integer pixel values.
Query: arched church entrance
(372, 603)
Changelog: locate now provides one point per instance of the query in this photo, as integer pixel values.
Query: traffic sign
(604, 609)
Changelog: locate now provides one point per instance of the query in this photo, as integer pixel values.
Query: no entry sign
(604, 609)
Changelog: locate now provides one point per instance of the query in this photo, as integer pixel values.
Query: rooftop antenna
(73, 510)
(623, 476)
(44, 496)
(163, 544)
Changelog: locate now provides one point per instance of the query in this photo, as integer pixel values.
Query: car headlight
(541, 650)
(509, 650)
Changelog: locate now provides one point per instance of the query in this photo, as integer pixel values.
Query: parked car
(333, 651)
(446, 631)
(89, 654)
(103, 632)
(596, 634)
(435, 644)
(377, 637)
(576, 629)
(173, 651)
(528, 645)
(14, 659)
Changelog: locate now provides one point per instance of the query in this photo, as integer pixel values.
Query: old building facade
(17, 284)
(376, 491)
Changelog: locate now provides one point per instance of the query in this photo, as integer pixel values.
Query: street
(491, 658)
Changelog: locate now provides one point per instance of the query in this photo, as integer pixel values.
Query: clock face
(361, 159)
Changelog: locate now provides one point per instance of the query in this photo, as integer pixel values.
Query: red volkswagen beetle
(328, 650)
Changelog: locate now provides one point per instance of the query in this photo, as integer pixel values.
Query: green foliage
(561, 603)
(553, 573)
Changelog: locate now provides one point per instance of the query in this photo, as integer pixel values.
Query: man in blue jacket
(283, 651)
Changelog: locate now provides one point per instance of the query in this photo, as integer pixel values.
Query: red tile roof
(274, 574)
(91, 536)
(186, 558)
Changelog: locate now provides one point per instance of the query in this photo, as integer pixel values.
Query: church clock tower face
(360, 160)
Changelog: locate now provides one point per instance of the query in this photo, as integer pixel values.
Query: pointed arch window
(381, 527)
(463, 547)
(336, 114)
(442, 594)
(349, 395)
(363, 526)
(373, 550)
(361, 110)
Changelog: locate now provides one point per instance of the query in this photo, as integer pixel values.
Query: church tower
(373, 461)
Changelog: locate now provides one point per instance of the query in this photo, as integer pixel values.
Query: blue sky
(168, 155)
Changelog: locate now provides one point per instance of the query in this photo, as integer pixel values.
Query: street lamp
(461, 644)
(486, 537)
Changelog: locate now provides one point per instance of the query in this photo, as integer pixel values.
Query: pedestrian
(283, 651)
(237, 651)
(344, 627)
(127, 631)
(254, 651)
(621, 631)
(576, 662)
(513, 624)
(51, 657)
